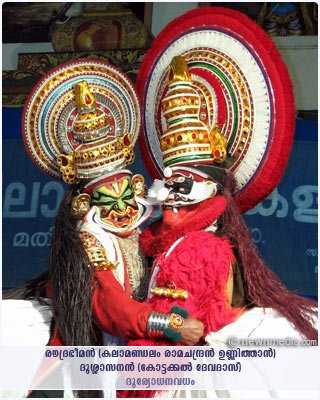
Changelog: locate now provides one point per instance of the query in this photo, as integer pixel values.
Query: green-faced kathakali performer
(80, 124)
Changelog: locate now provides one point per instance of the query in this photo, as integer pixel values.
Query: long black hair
(71, 284)
(262, 287)
(68, 277)
(71, 279)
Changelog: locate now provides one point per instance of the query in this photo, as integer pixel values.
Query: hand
(192, 331)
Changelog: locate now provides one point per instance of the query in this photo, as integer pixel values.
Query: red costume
(196, 260)
(125, 317)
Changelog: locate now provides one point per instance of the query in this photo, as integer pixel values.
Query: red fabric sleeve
(115, 312)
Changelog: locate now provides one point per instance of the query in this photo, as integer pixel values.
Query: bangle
(167, 325)
(176, 322)
(157, 323)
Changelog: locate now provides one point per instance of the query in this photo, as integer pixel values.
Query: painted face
(116, 203)
(183, 190)
(179, 188)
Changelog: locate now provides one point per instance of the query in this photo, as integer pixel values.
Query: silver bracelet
(157, 323)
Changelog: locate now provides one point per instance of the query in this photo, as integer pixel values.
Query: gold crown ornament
(185, 107)
(81, 121)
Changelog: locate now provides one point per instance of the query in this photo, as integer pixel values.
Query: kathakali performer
(218, 124)
(80, 124)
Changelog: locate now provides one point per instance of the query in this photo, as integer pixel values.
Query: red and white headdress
(234, 87)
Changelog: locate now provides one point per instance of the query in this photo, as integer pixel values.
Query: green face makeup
(116, 203)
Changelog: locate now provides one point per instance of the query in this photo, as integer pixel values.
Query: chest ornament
(170, 291)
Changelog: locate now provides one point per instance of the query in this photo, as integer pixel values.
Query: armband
(167, 325)
(157, 323)
(96, 253)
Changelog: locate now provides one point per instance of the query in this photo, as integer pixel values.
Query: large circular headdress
(234, 84)
(81, 120)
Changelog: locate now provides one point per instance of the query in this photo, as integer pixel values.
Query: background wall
(299, 52)
(10, 52)
(163, 13)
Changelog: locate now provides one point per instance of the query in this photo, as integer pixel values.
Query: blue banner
(284, 226)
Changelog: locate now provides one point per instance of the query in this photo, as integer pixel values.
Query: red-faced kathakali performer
(218, 124)
(80, 124)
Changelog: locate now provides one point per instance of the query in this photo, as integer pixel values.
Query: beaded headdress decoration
(191, 135)
(81, 121)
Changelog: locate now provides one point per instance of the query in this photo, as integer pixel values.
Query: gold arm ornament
(98, 259)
